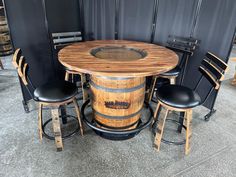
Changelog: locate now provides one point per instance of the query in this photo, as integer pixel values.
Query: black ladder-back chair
(53, 94)
(60, 41)
(184, 46)
(183, 99)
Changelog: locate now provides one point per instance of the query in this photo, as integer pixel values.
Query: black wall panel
(215, 28)
(63, 15)
(99, 17)
(174, 18)
(26, 19)
(211, 21)
(135, 20)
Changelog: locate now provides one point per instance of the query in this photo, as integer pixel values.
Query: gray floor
(21, 154)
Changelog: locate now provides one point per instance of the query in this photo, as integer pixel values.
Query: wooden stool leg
(83, 81)
(57, 129)
(234, 79)
(67, 76)
(153, 84)
(188, 130)
(40, 122)
(78, 116)
(172, 80)
(156, 112)
(1, 65)
(160, 128)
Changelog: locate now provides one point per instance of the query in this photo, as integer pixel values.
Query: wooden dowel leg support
(83, 81)
(153, 84)
(57, 129)
(156, 112)
(160, 128)
(188, 121)
(78, 116)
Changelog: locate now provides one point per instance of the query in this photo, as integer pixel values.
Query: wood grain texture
(158, 60)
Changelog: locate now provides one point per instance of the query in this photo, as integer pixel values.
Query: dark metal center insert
(121, 53)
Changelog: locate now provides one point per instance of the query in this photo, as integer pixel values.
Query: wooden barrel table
(118, 70)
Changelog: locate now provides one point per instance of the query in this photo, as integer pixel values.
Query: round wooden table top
(118, 58)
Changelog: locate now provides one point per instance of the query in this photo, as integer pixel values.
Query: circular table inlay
(118, 53)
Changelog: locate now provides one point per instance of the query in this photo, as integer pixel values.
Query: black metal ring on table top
(65, 136)
(155, 127)
(116, 134)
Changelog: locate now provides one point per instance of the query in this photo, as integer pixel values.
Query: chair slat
(184, 39)
(66, 34)
(215, 71)
(219, 62)
(209, 77)
(66, 40)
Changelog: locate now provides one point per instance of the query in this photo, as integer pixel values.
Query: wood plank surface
(78, 57)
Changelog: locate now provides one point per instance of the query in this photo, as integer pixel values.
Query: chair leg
(67, 76)
(181, 121)
(57, 129)
(234, 79)
(160, 128)
(78, 116)
(157, 111)
(40, 122)
(83, 81)
(188, 130)
(153, 84)
(1, 65)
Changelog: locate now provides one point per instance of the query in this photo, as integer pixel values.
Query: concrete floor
(213, 150)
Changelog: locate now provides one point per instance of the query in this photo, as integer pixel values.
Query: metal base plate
(116, 134)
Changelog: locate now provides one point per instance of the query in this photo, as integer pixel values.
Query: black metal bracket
(208, 116)
(116, 134)
(25, 105)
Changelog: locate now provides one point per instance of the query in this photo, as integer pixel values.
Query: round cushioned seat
(178, 96)
(56, 91)
(173, 72)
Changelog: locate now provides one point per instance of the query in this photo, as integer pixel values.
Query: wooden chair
(63, 39)
(183, 99)
(53, 94)
(184, 46)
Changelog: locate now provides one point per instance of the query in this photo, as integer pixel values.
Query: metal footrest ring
(168, 141)
(65, 136)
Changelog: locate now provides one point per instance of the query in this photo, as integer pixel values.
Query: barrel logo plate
(117, 104)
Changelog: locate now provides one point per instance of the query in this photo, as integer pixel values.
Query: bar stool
(63, 39)
(70, 73)
(53, 94)
(184, 46)
(183, 99)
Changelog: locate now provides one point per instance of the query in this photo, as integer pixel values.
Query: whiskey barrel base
(117, 134)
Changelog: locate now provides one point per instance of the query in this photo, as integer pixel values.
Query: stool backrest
(213, 69)
(182, 44)
(23, 70)
(62, 39)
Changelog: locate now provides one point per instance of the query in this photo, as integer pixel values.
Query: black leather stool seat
(56, 91)
(173, 72)
(178, 96)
